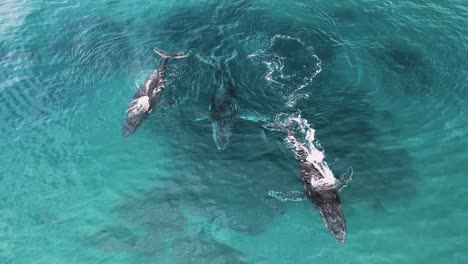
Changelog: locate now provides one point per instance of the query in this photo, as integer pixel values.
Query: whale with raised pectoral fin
(320, 186)
(299, 196)
(148, 95)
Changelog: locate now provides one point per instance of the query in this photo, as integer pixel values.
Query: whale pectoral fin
(253, 118)
(292, 196)
(206, 60)
(200, 119)
(344, 179)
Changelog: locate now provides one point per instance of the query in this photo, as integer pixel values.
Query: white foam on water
(301, 139)
(289, 85)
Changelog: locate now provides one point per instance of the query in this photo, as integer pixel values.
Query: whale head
(129, 127)
(132, 122)
(128, 131)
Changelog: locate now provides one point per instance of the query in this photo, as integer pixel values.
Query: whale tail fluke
(167, 55)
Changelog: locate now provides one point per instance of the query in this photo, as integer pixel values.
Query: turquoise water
(383, 83)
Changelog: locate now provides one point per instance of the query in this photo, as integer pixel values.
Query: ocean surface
(383, 84)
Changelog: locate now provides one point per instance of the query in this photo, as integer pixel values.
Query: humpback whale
(320, 186)
(148, 95)
(322, 191)
(223, 110)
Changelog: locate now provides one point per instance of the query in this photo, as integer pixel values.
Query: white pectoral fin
(344, 179)
(292, 196)
(206, 60)
(253, 118)
(200, 119)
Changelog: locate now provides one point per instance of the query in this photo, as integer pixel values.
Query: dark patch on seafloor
(167, 231)
(197, 201)
(411, 68)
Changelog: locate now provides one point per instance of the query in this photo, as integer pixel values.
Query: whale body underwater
(223, 110)
(148, 95)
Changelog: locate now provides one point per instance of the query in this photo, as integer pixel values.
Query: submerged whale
(148, 95)
(223, 107)
(223, 111)
(320, 186)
